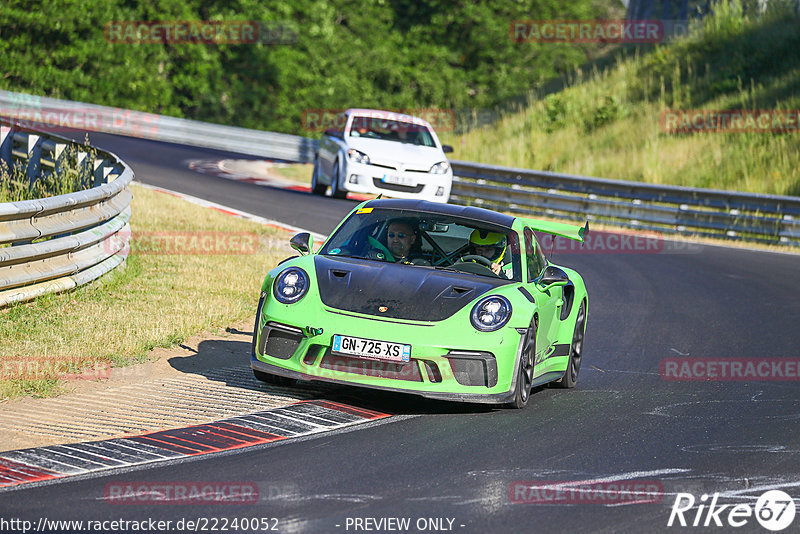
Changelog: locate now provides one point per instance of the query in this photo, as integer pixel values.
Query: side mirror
(302, 243)
(447, 149)
(553, 277)
(333, 132)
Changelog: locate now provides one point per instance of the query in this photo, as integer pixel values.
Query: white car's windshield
(428, 239)
(391, 130)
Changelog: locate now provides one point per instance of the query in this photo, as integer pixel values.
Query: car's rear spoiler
(578, 233)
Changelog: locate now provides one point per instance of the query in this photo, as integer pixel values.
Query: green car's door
(549, 303)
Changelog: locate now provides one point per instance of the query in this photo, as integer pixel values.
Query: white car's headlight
(358, 156)
(491, 313)
(291, 285)
(440, 168)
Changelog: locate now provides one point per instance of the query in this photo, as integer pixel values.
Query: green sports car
(444, 301)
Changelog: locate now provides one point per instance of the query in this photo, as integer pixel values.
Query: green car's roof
(468, 212)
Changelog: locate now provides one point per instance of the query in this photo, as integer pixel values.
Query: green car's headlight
(291, 285)
(491, 313)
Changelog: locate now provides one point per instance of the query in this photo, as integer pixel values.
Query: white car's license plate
(398, 180)
(370, 348)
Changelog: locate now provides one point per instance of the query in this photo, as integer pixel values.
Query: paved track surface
(624, 422)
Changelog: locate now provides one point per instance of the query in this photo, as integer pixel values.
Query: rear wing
(578, 233)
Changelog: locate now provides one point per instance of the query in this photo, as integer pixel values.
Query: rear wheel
(570, 377)
(274, 380)
(336, 188)
(522, 389)
(317, 188)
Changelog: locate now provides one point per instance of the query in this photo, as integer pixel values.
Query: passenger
(492, 246)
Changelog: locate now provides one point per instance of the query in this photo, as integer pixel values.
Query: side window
(530, 255)
(541, 260)
(533, 255)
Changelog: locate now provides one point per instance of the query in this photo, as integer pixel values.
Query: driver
(400, 238)
(490, 245)
(403, 244)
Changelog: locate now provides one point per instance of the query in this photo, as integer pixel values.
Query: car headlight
(440, 168)
(358, 156)
(491, 313)
(291, 285)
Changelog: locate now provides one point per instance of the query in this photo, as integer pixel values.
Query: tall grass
(15, 184)
(607, 121)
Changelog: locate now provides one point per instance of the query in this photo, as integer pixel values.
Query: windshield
(391, 130)
(430, 240)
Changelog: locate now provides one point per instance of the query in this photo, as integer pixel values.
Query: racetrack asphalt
(460, 467)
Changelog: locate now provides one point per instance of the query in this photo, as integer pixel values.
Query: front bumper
(446, 363)
(374, 179)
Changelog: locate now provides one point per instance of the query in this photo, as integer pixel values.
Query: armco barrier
(57, 243)
(41, 112)
(661, 208)
(665, 209)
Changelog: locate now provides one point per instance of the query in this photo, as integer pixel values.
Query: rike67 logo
(774, 510)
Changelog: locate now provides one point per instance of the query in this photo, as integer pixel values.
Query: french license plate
(399, 180)
(372, 349)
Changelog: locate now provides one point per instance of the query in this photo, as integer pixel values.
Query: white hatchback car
(372, 151)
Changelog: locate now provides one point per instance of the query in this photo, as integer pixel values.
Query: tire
(336, 189)
(570, 377)
(316, 187)
(274, 380)
(522, 387)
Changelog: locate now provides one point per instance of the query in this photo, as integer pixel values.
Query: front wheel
(522, 389)
(336, 188)
(570, 377)
(317, 188)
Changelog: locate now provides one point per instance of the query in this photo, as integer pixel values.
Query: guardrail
(57, 243)
(31, 111)
(660, 208)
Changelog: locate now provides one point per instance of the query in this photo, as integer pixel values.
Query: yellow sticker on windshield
(364, 210)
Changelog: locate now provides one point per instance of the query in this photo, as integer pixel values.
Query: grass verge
(158, 300)
(297, 172)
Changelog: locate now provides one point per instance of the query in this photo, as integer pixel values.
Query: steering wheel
(486, 262)
(378, 245)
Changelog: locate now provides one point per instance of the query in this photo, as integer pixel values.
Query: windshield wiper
(354, 257)
(450, 269)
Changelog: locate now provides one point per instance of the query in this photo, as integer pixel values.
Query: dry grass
(297, 172)
(156, 301)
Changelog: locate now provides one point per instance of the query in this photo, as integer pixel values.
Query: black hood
(407, 292)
